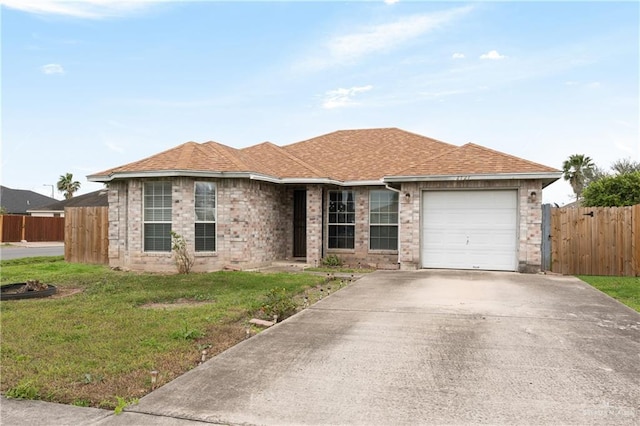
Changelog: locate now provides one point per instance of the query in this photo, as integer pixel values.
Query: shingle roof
(367, 154)
(18, 201)
(92, 199)
(345, 155)
(278, 161)
(189, 156)
(473, 159)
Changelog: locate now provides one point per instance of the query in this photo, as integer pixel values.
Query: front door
(300, 223)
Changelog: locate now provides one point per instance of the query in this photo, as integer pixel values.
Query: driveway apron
(424, 347)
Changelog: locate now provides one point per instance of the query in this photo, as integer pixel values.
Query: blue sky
(95, 84)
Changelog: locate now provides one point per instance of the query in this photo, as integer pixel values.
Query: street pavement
(21, 250)
(419, 347)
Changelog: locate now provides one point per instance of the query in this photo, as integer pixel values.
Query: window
(342, 219)
(157, 216)
(205, 204)
(383, 220)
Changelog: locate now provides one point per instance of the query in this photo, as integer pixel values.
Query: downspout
(390, 188)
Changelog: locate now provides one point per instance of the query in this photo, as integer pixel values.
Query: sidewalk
(35, 244)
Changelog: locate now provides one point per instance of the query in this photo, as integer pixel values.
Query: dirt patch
(180, 303)
(65, 292)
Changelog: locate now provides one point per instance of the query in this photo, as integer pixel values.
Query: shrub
(278, 302)
(184, 259)
(332, 260)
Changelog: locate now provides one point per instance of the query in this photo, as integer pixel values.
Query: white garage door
(469, 230)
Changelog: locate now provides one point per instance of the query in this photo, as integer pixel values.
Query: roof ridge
(228, 153)
(298, 160)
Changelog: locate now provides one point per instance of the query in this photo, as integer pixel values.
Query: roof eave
(229, 175)
(168, 173)
(546, 177)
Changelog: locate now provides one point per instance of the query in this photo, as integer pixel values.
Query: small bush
(184, 258)
(278, 302)
(332, 261)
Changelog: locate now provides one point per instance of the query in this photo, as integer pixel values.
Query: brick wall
(529, 219)
(254, 224)
(254, 221)
(360, 255)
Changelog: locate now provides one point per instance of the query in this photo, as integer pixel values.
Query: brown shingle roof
(279, 162)
(189, 156)
(367, 154)
(345, 155)
(472, 159)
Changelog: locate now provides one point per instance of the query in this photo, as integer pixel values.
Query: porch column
(314, 225)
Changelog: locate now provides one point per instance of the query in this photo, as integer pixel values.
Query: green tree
(578, 169)
(613, 191)
(67, 185)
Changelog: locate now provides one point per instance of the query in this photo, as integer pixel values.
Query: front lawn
(624, 289)
(97, 341)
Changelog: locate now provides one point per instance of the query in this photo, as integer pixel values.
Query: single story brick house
(383, 198)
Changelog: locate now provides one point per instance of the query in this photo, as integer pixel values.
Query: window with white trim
(205, 226)
(157, 216)
(383, 220)
(342, 219)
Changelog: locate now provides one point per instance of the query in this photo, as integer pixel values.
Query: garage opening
(470, 229)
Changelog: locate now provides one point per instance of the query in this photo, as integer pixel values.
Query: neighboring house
(18, 201)
(385, 198)
(92, 199)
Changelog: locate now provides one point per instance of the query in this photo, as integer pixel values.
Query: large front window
(383, 220)
(205, 204)
(157, 216)
(342, 219)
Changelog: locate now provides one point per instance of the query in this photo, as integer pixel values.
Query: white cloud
(88, 9)
(594, 85)
(492, 55)
(367, 40)
(339, 98)
(458, 55)
(391, 1)
(52, 69)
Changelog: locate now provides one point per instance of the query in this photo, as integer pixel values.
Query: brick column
(314, 225)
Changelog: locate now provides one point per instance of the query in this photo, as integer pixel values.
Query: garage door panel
(469, 230)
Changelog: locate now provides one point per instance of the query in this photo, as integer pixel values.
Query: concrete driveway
(424, 347)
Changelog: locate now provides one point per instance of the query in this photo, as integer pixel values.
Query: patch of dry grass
(94, 342)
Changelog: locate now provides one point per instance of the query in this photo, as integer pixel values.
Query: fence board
(11, 228)
(86, 235)
(16, 228)
(596, 241)
(44, 228)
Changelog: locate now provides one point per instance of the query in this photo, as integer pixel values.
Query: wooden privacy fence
(595, 240)
(15, 228)
(86, 235)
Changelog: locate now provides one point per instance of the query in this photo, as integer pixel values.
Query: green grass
(339, 270)
(100, 342)
(624, 289)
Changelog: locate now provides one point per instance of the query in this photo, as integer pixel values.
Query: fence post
(1, 227)
(24, 228)
(546, 237)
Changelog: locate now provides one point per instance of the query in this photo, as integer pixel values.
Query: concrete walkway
(424, 347)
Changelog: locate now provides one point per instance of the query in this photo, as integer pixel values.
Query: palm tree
(67, 185)
(578, 170)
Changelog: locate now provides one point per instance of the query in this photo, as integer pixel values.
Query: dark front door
(300, 223)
